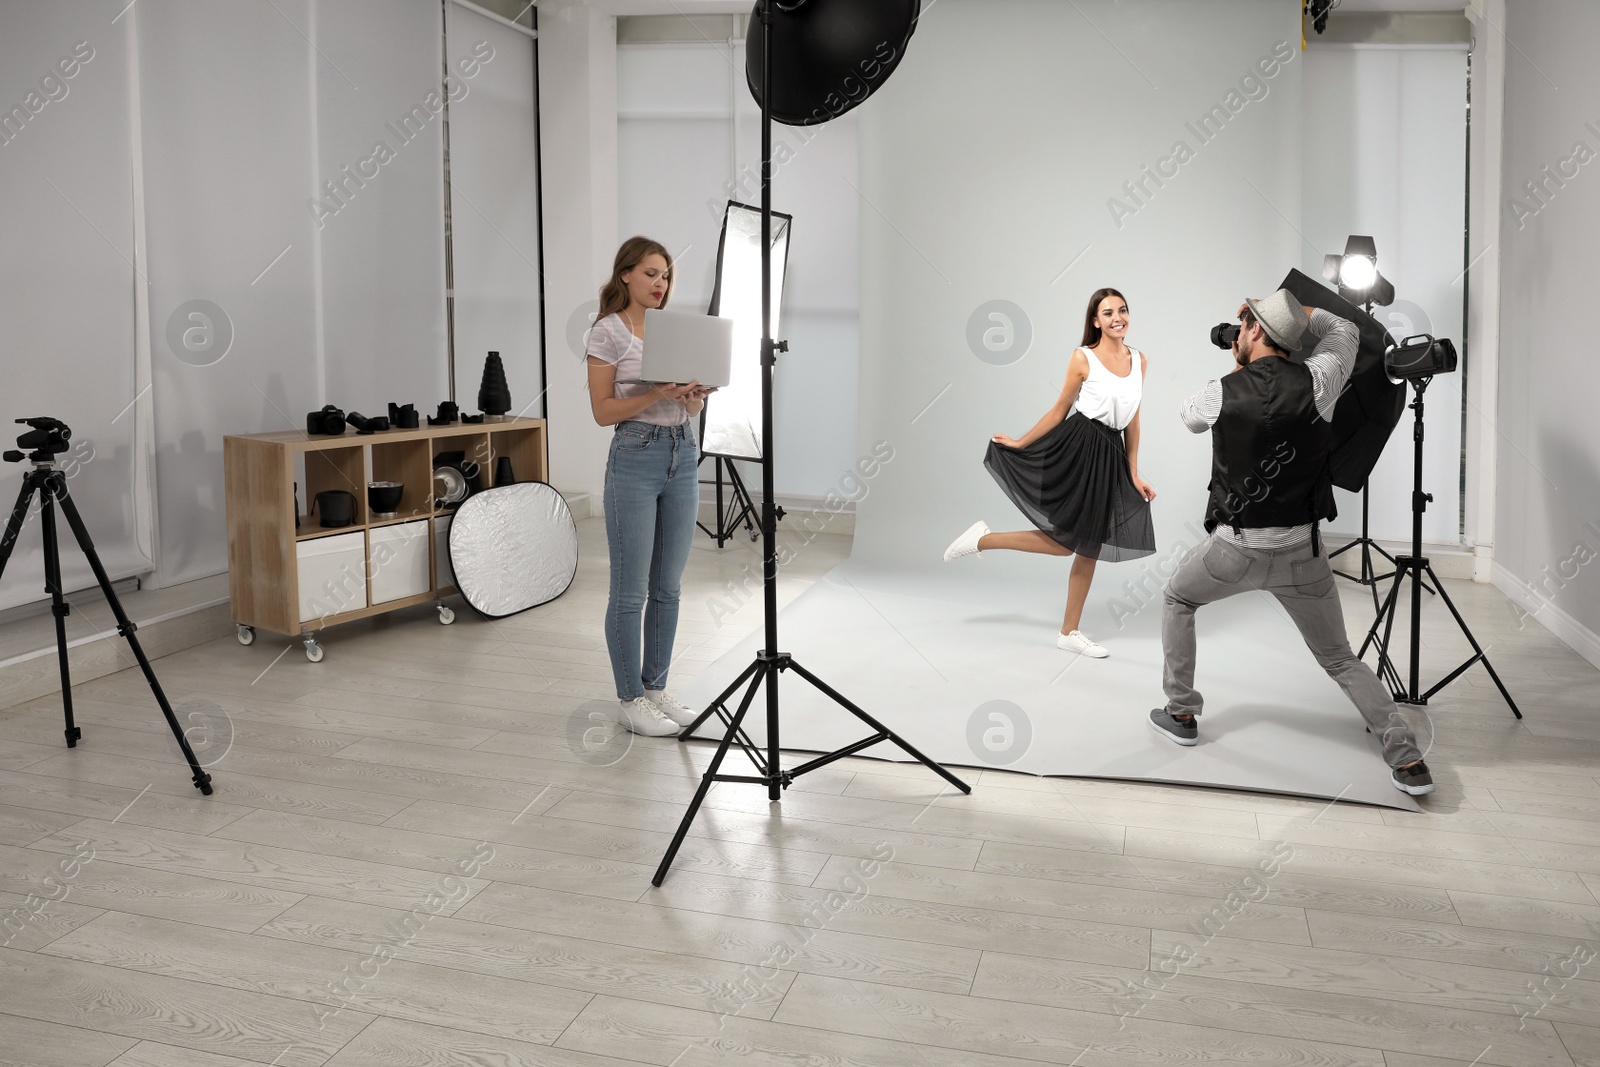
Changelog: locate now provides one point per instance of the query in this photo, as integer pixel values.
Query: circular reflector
(827, 55)
(513, 548)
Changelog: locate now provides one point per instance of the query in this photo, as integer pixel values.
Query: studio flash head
(1421, 356)
(1223, 334)
(365, 424)
(328, 422)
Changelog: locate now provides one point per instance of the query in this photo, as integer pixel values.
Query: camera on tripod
(47, 440)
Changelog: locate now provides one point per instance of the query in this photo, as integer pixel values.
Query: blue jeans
(652, 498)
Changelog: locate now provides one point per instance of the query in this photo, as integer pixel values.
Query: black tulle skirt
(1073, 483)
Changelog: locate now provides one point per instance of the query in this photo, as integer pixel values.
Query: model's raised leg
(1027, 541)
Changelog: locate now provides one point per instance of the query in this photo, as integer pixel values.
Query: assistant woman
(1075, 475)
(652, 490)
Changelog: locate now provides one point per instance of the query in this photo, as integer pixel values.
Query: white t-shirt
(1110, 398)
(612, 341)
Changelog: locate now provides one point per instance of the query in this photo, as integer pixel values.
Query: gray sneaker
(1414, 779)
(1179, 733)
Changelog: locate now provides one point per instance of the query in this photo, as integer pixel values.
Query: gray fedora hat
(1282, 317)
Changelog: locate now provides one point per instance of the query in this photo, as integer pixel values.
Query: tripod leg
(688, 731)
(19, 515)
(838, 698)
(126, 628)
(1385, 618)
(1473, 641)
(58, 607)
(760, 670)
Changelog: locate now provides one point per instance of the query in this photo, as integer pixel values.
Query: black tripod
(1416, 565)
(1369, 574)
(51, 485)
(736, 509)
(770, 663)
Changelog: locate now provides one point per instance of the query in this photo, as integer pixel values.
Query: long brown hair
(1091, 328)
(614, 293)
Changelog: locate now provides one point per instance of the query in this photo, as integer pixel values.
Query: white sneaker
(1078, 641)
(640, 716)
(967, 543)
(672, 708)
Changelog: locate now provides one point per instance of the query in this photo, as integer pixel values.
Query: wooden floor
(425, 851)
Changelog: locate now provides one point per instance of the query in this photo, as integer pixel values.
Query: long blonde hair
(614, 293)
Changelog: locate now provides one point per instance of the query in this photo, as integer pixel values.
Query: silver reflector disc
(513, 548)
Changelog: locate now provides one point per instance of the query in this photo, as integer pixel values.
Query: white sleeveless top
(1108, 398)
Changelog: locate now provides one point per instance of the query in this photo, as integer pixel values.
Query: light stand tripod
(1415, 566)
(737, 509)
(1368, 575)
(51, 486)
(770, 663)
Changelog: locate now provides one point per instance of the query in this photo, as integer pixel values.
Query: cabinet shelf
(296, 581)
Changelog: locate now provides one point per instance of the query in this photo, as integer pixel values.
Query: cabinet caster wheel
(245, 634)
(314, 651)
(446, 615)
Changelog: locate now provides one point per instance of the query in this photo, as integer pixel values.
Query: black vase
(494, 395)
(502, 472)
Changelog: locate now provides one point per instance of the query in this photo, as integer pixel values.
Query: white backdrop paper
(1015, 187)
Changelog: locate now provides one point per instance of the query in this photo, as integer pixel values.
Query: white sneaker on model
(1078, 641)
(642, 717)
(967, 543)
(671, 707)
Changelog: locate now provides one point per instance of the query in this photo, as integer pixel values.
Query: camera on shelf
(328, 422)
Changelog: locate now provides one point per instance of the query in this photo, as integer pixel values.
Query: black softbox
(1371, 405)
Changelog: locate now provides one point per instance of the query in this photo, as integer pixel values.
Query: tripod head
(48, 439)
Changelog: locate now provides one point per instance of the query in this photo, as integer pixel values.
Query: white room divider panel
(1385, 154)
(293, 182)
(494, 177)
(67, 281)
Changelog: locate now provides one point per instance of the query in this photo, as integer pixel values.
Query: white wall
(1547, 523)
(689, 139)
(578, 143)
(1385, 155)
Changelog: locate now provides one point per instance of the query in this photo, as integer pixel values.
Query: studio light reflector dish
(1356, 272)
(827, 55)
(731, 423)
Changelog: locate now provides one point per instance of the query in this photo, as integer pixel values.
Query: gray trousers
(1216, 569)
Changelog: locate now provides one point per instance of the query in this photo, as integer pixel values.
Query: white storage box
(333, 574)
(399, 560)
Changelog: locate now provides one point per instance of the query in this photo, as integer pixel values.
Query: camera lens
(1223, 334)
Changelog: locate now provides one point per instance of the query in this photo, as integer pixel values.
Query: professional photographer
(1270, 487)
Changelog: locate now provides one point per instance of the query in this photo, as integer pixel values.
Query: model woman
(1075, 475)
(652, 490)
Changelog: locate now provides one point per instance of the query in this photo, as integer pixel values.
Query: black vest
(1269, 450)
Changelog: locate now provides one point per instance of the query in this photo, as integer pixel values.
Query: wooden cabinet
(297, 580)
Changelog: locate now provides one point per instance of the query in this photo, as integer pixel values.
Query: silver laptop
(683, 347)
